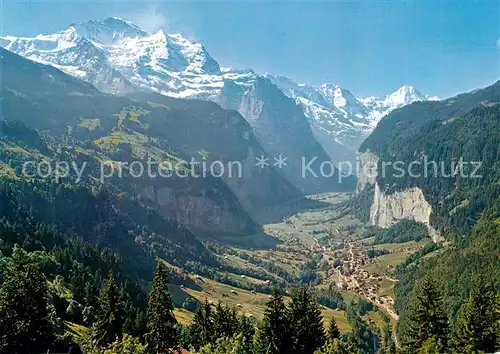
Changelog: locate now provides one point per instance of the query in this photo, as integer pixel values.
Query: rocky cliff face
(444, 134)
(282, 129)
(367, 173)
(388, 209)
(409, 204)
(224, 136)
(201, 212)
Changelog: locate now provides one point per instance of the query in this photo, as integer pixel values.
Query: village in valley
(339, 241)
(327, 248)
(357, 267)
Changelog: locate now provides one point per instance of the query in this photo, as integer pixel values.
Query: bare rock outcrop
(367, 173)
(388, 209)
(408, 204)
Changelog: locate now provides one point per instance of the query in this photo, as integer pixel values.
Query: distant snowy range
(118, 57)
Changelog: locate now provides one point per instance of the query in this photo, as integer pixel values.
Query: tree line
(28, 321)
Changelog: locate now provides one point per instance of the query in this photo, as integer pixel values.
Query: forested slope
(453, 150)
(454, 146)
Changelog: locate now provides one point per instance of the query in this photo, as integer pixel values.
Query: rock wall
(201, 210)
(409, 204)
(281, 127)
(387, 210)
(367, 171)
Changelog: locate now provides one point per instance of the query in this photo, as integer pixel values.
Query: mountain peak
(160, 35)
(406, 94)
(118, 20)
(108, 31)
(408, 89)
(338, 96)
(329, 86)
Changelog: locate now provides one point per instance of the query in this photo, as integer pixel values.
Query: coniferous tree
(333, 330)
(334, 347)
(110, 322)
(89, 299)
(430, 346)
(126, 345)
(477, 327)
(232, 345)
(140, 323)
(194, 334)
(201, 330)
(306, 322)
(260, 341)
(161, 323)
(128, 321)
(361, 339)
(428, 322)
(77, 281)
(391, 348)
(185, 338)
(388, 345)
(247, 331)
(24, 316)
(220, 320)
(273, 335)
(225, 321)
(333, 344)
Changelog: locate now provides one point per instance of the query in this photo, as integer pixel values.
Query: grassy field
(310, 226)
(287, 261)
(90, 123)
(376, 318)
(246, 302)
(237, 262)
(386, 288)
(184, 317)
(399, 246)
(392, 259)
(7, 171)
(303, 238)
(331, 198)
(110, 142)
(386, 263)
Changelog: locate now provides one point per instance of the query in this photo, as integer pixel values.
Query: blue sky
(369, 47)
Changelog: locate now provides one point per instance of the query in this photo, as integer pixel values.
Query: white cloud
(150, 20)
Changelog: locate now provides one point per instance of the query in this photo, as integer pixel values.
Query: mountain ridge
(125, 128)
(120, 58)
(339, 120)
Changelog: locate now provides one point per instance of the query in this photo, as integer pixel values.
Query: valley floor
(327, 242)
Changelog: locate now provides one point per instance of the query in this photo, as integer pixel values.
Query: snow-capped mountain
(339, 120)
(381, 106)
(119, 57)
